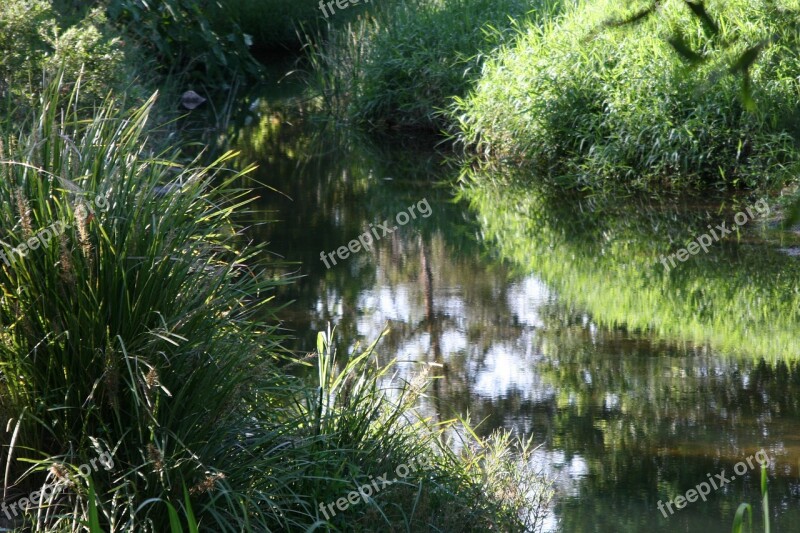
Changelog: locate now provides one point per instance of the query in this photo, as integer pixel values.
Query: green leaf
(94, 516)
(738, 520)
(765, 497)
(174, 520)
(190, 518)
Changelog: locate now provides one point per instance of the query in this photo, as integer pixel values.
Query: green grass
(746, 510)
(397, 68)
(146, 330)
(592, 103)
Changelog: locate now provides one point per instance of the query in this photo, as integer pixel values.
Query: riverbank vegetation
(593, 102)
(399, 67)
(591, 92)
(145, 328)
(138, 322)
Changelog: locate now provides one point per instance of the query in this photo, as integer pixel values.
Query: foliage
(400, 66)
(144, 330)
(122, 328)
(488, 484)
(35, 40)
(23, 29)
(745, 509)
(590, 101)
(199, 39)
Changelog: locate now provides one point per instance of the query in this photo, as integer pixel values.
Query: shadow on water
(548, 314)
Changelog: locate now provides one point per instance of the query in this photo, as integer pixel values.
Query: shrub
(36, 41)
(24, 27)
(591, 102)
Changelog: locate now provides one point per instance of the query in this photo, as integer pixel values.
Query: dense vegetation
(592, 91)
(138, 324)
(593, 101)
(400, 67)
(131, 47)
(38, 40)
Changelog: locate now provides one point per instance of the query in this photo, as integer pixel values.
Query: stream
(549, 315)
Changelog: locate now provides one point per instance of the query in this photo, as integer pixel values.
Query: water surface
(549, 314)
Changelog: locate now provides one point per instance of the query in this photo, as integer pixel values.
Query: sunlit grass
(592, 103)
(399, 67)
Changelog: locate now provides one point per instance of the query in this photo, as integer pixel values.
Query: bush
(590, 101)
(35, 41)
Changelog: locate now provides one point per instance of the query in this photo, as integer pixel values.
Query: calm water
(550, 315)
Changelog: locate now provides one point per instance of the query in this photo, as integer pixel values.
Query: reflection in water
(549, 316)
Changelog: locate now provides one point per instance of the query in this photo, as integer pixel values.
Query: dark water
(550, 315)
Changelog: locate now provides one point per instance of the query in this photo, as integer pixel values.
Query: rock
(191, 100)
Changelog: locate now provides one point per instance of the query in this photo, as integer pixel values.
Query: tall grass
(131, 331)
(145, 330)
(591, 102)
(399, 66)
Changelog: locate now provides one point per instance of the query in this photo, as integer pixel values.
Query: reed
(146, 330)
(399, 66)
